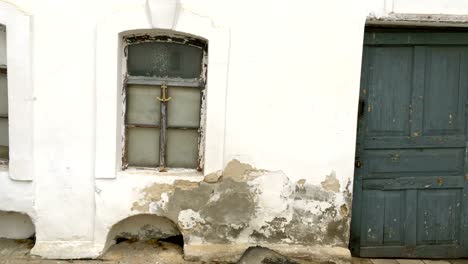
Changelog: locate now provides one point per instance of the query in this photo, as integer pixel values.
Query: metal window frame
(188, 83)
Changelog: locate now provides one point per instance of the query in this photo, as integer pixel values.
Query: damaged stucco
(247, 205)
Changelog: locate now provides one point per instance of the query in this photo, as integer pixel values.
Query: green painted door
(411, 177)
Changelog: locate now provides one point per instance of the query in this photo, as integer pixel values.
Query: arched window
(164, 100)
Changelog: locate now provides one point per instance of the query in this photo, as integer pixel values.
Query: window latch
(163, 91)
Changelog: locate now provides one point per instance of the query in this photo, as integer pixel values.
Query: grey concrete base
(233, 252)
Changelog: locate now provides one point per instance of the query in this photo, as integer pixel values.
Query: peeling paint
(213, 177)
(331, 183)
(247, 205)
(188, 219)
(237, 170)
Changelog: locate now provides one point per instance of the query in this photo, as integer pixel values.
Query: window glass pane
(184, 107)
(182, 148)
(3, 95)
(3, 132)
(3, 152)
(3, 47)
(143, 106)
(143, 147)
(163, 59)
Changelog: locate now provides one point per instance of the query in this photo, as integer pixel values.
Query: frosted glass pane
(182, 148)
(184, 107)
(161, 59)
(3, 95)
(143, 147)
(3, 46)
(143, 106)
(3, 132)
(4, 153)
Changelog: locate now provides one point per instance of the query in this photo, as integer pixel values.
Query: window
(3, 99)
(164, 99)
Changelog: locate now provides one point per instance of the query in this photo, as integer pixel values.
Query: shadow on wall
(144, 227)
(14, 225)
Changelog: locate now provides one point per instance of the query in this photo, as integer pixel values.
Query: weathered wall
(290, 79)
(240, 205)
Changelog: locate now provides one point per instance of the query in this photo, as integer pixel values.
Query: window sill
(173, 174)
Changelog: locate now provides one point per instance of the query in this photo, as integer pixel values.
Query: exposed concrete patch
(331, 183)
(151, 193)
(154, 193)
(237, 170)
(250, 206)
(213, 177)
(344, 210)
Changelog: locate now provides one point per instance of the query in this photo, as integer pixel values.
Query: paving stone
(430, 261)
(459, 261)
(410, 261)
(7, 246)
(356, 260)
(23, 261)
(384, 261)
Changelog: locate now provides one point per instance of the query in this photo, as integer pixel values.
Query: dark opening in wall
(154, 230)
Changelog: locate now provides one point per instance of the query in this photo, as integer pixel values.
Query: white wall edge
(20, 91)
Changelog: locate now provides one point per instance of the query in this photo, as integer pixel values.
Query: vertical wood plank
(372, 229)
(410, 218)
(464, 198)
(393, 218)
(389, 93)
(417, 94)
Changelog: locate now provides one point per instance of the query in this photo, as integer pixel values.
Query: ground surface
(155, 252)
(408, 261)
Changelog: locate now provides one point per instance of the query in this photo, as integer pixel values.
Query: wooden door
(411, 178)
